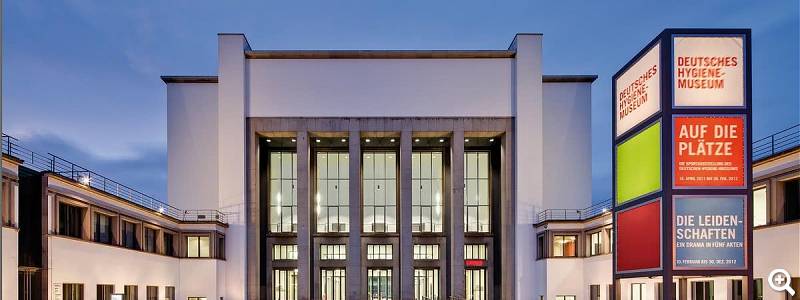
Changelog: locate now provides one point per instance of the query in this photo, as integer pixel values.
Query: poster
(638, 237)
(709, 232)
(709, 151)
(638, 165)
(637, 92)
(708, 71)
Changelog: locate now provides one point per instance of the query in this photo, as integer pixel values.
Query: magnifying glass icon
(779, 280)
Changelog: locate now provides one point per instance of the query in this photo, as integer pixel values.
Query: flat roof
(545, 79)
(377, 54)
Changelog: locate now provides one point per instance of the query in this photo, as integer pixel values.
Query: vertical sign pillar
(682, 165)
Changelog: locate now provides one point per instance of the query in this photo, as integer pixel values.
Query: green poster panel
(639, 164)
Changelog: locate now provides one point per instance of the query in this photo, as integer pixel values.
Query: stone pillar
(456, 251)
(353, 271)
(304, 244)
(406, 243)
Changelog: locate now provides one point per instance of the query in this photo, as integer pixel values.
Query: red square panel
(638, 233)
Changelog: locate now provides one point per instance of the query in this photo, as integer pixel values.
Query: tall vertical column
(353, 271)
(527, 109)
(456, 250)
(406, 241)
(231, 133)
(304, 244)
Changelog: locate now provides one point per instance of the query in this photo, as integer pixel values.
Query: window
(791, 196)
(221, 247)
(637, 291)
(10, 202)
(333, 284)
(72, 291)
(379, 284)
(333, 192)
(476, 192)
(475, 280)
(152, 293)
(169, 244)
(424, 252)
(595, 244)
(426, 284)
(169, 292)
(540, 246)
(284, 252)
(564, 245)
(103, 229)
(475, 251)
(379, 173)
(198, 246)
(104, 291)
(70, 220)
(610, 240)
(196, 298)
(129, 238)
(284, 284)
(283, 196)
(382, 252)
(131, 293)
(426, 191)
(760, 206)
(150, 240)
(736, 289)
(758, 288)
(332, 252)
(565, 297)
(594, 292)
(703, 290)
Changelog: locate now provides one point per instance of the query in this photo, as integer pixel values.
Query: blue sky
(81, 78)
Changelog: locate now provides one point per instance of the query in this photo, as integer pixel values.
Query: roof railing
(776, 143)
(561, 214)
(67, 169)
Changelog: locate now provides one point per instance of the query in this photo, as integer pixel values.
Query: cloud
(146, 171)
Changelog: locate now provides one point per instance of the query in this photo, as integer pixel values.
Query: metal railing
(67, 169)
(776, 143)
(574, 214)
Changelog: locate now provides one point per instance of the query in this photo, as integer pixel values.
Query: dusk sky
(81, 78)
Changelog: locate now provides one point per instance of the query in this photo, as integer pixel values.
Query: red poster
(708, 151)
(638, 233)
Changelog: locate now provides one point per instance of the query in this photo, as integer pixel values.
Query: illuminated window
(637, 291)
(152, 293)
(426, 284)
(379, 284)
(284, 284)
(564, 245)
(595, 244)
(379, 174)
(760, 206)
(379, 252)
(72, 291)
(475, 251)
(426, 191)
(565, 297)
(284, 252)
(198, 247)
(131, 293)
(333, 284)
(333, 252)
(169, 292)
(475, 280)
(282, 195)
(426, 252)
(333, 192)
(104, 291)
(476, 192)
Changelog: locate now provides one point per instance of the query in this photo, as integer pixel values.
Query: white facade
(552, 122)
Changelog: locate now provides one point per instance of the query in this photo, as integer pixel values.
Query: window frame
(279, 228)
(186, 242)
(418, 226)
(338, 273)
(767, 190)
(156, 234)
(286, 294)
(422, 276)
(64, 230)
(390, 228)
(112, 220)
(341, 182)
(590, 250)
(385, 287)
(553, 244)
(489, 197)
(381, 253)
(137, 243)
(78, 294)
(290, 255)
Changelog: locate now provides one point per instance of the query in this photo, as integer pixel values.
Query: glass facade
(379, 284)
(333, 284)
(426, 284)
(426, 194)
(282, 196)
(332, 192)
(379, 173)
(284, 285)
(476, 192)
